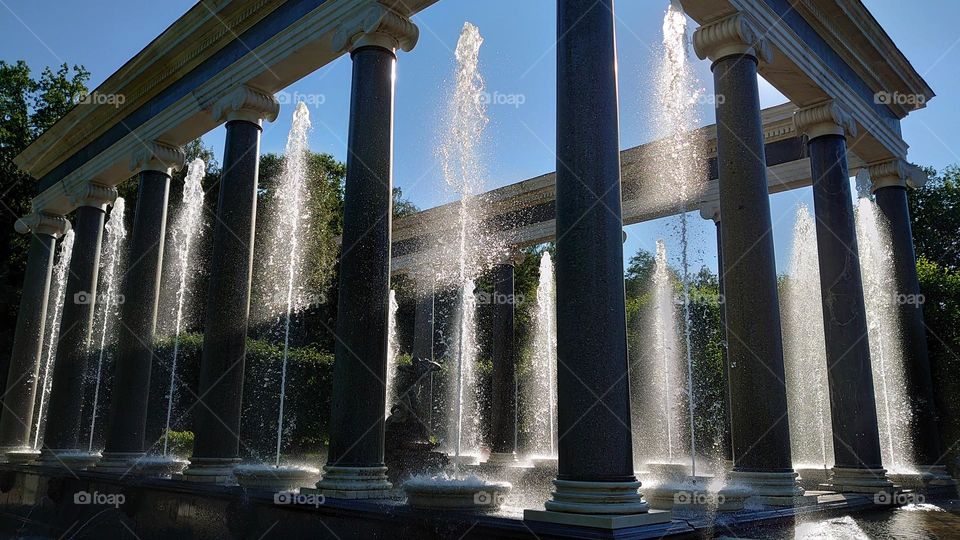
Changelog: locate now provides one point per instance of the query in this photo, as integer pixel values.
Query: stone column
(890, 180)
(595, 484)
(758, 398)
(856, 437)
(217, 413)
(61, 435)
(140, 292)
(711, 211)
(423, 338)
(504, 399)
(355, 466)
(16, 420)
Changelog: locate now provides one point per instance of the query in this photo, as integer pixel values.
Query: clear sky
(517, 58)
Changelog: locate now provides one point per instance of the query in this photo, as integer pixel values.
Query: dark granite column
(61, 435)
(217, 413)
(595, 455)
(17, 418)
(890, 192)
(712, 212)
(503, 448)
(758, 398)
(140, 292)
(423, 337)
(355, 464)
(856, 437)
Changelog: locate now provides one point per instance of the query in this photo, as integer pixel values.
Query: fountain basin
(811, 478)
(667, 471)
(695, 494)
(273, 478)
(69, 459)
(463, 459)
(160, 466)
(469, 493)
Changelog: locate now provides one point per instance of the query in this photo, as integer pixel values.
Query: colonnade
(595, 462)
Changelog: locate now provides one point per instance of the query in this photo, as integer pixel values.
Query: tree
(28, 107)
(935, 216)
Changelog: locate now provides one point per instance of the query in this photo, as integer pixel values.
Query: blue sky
(517, 58)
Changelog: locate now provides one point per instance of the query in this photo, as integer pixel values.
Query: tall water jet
(886, 355)
(286, 283)
(541, 396)
(470, 247)
(805, 356)
(392, 351)
(186, 229)
(108, 305)
(53, 323)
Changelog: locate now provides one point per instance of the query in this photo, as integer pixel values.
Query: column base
(772, 488)
(850, 480)
(355, 483)
(211, 471)
(70, 458)
(122, 463)
(937, 476)
(19, 455)
(578, 497)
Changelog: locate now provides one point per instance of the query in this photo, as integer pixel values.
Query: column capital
(42, 223)
(93, 194)
(828, 118)
(378, 26)
(158, 156)
(892, 173)
(731, 35)
(246, 103)
(710, 210)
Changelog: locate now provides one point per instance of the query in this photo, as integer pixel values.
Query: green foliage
(401, 205)
(935, 216)
(180, 443)
(28, 106)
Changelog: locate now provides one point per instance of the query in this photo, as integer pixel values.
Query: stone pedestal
(20, 395)
(140, 288)
(859, 480)
(355, 465)
(62, 430)
(760, 434)
(217, 414)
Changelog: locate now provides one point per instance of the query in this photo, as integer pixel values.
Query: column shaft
(892, 201)
(504, 398)
(760, 434)
(595, 438)
(76, 323)
(140, 290)
(18, 400)
(359, 371)
(727, 437)
(852, 403)
(217, 416)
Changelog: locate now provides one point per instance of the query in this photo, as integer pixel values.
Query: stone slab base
(210, 471)
(69, 459)
(786, 502)
(122, 463)
(859, 481)
(687, 496)
(20, 455)
(356, 494)
(812, 478)
(599, 521)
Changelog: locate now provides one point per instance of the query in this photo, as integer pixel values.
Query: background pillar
(16, 419)
(758, 398)
(62, 431)
(140, 290)
(853, 412)
(217, 412)
(503, 448)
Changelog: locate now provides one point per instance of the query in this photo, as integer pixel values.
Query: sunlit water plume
(54, 313)
(541, 395)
